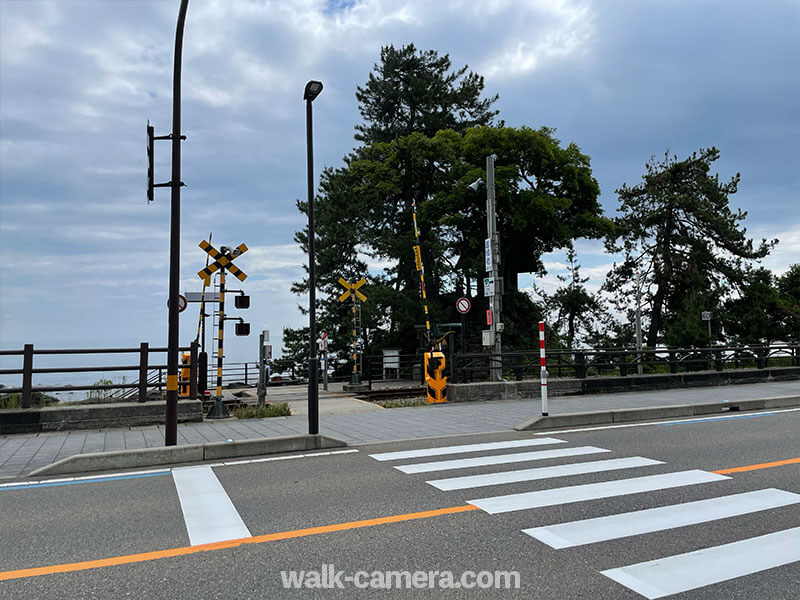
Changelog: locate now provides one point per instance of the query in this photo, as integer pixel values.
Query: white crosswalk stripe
(593, 491)
(597, 466)
(465, 448)
(499, 459)
(601, 529)
(683, 572)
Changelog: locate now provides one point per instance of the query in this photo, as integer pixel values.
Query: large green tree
(678, 230)
(427, 132)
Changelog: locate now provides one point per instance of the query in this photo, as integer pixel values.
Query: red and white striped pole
(544, 369)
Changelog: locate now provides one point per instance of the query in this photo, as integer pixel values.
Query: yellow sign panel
(435, 378)
(418, 258)
(352, 287)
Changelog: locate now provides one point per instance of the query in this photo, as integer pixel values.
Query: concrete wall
(517, 390)
(98, 416)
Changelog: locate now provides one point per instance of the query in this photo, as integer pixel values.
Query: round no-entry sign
(463, 305)
(181, 303)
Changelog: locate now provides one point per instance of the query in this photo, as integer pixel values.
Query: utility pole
(494, 270)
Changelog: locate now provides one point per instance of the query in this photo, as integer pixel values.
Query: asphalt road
(356, 510)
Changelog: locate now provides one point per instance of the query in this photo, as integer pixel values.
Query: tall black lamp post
(171, 427)
(312, 90)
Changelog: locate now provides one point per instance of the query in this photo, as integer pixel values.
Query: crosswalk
(658, 578)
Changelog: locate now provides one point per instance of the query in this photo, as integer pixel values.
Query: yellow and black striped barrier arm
(421, 271)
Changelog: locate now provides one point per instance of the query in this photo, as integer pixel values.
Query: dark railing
(246, 373)
(144, 370)
(588, 363)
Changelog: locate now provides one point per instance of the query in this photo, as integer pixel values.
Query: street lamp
(312, 90)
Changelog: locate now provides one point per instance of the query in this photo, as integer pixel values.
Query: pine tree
(678, 230)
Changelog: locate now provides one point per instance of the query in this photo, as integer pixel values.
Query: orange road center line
(258, 539)
(769, 465)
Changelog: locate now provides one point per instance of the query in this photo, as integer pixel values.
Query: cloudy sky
(85, 259)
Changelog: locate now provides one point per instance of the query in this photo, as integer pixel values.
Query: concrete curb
(654, 412)
(150, 457)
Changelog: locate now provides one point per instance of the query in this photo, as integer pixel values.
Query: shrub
(260, 412)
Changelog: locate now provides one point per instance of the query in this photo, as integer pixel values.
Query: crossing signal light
(242, 301)
(243, 329)
(150, 140)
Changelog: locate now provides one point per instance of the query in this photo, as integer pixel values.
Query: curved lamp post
(312, 90)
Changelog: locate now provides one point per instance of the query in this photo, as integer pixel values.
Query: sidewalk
(22, 453)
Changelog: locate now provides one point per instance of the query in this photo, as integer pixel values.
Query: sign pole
(543, 368)
(494, 252)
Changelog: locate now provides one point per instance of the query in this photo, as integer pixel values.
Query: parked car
(284, 379)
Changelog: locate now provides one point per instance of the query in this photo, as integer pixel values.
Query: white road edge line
(651, 424)
(683, 572)
(170, 469)
(208, 512)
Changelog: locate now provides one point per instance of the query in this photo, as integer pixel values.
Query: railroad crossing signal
(352, 287)
(222, 260)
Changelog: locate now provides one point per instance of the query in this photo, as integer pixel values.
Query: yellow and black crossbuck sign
(352, 287)
(222, 261)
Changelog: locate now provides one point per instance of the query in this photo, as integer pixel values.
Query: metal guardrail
(587, 363)
(142, 385)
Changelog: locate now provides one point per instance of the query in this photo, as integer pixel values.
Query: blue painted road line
(713, 419)
(74, 482)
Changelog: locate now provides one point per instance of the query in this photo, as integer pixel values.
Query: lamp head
(313, 88)
(474, 185)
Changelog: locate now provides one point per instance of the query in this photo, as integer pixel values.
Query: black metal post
(202, 374)
(193, 353)
(312, 90)
(171, 425)
(144, 355)
(27, 376)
